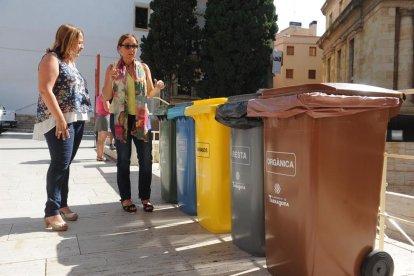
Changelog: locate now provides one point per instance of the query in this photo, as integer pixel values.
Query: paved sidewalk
(106, 240)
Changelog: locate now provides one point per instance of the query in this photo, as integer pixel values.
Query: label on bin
(240, 155)
(203, 150)
(181, 145)
(283, 163)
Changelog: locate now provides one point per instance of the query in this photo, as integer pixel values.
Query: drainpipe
(412, 27)
(396, 47)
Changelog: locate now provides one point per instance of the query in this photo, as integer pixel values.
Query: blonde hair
(66, 35)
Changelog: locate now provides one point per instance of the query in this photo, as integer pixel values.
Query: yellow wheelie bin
(212, 142)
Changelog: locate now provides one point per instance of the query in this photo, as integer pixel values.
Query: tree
(237, 46)
(171, 44)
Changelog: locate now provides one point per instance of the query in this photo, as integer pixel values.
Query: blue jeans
(144, 154)
(62, 153)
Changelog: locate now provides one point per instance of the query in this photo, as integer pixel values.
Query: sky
(304, 11)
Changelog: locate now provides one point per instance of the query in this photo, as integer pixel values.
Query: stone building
(302, 62)
(369, 42)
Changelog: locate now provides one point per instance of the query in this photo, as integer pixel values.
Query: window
(312, 51)
(289, 73)
(351, 60)
(328, 70)
(290, 50)
(338, 65)
(312, 74)
(141, 17)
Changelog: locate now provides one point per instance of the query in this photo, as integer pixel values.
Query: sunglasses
(128, 46)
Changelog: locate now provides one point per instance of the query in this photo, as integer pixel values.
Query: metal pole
(382, 203)
(97, 86)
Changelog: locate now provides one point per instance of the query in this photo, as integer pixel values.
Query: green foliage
(170, 48)
(237, 46)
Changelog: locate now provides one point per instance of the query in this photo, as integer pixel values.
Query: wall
(400, 172)
(27, 28)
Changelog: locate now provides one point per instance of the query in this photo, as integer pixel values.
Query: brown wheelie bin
(323, 151)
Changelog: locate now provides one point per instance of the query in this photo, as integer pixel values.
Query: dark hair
(65, 37)
(125, 36)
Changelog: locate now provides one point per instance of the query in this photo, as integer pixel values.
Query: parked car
(7, 117)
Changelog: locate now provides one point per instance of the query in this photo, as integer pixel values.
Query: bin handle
(164, 101)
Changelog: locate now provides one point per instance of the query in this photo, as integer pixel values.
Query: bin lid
(233, 113)
(323, 100)
(204, 106)
(162, 111)
(331, 88)
(177, 110)
(244, 97)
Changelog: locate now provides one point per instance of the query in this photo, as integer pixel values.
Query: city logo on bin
(277, 188)
(202, 150)
(240, 155)
(237, 184)
(283, 163)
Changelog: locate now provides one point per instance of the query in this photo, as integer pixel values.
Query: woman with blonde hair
(62, 110)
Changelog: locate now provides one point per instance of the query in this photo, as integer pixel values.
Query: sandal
(100, 159)
(148, 207)
(129, 208)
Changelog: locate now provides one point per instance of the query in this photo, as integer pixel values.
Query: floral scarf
(120, 103)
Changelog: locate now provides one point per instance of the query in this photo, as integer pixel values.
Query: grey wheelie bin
(323, 150)
(167, 155)
(246, 169)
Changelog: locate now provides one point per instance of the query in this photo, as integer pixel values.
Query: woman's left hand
(159, 84)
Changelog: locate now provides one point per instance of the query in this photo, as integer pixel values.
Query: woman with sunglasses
(62, 110)
(128, 83)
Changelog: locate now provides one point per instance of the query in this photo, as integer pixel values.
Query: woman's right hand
(62, 130)
(111, 74)
(114, 73)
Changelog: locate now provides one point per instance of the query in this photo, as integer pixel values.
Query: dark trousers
(62, 153)
(144, 154)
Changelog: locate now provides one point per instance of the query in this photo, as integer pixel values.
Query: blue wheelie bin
(185, 154)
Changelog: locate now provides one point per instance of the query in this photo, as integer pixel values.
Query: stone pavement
(106, 240)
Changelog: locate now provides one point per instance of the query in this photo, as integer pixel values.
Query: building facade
(27, 28)
(369, 42)
(301, 57)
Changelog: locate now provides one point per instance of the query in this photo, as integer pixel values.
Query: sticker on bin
(283, 163)
(203, 150)
(240, 155)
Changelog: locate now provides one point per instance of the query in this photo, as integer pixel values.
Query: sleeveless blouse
(72, 96)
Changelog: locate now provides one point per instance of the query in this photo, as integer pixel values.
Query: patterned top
(72, 95)
(121, 100)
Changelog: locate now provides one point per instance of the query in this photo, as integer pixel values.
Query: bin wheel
(377, 263)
